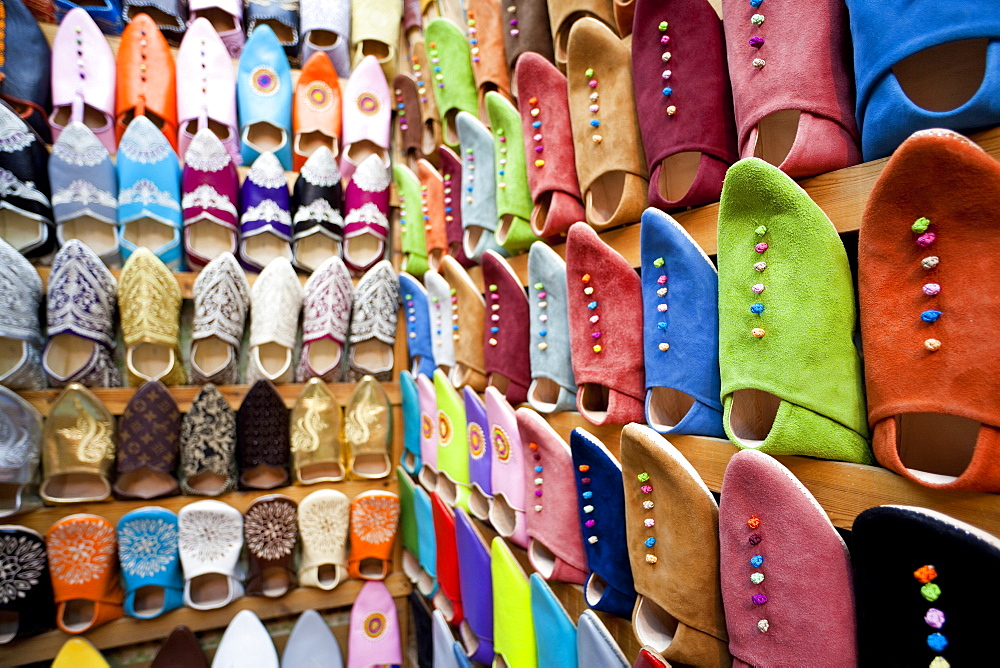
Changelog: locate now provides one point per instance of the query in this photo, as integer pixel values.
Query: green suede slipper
(411, 224)
(408, 526)
(791, 376)
(453, 444)
(513, 623)
(514, 202)
(451, 74)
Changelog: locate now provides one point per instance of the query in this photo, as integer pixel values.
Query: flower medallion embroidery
(374, 519)
(324, 525)
(270, 529)
(319, 210)
(207, 197)
(85, 193)
(368, 104)
(147, 547)
(501, 443)
(477, 441)
(145, 192)
(375, 625)
(208, 535)
(267, 211)
(22, 564)
(80, 551)
(444, 429)
(264, 80)
(320, 96)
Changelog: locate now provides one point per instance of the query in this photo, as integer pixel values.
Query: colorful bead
(754, 539)
(930, 591)
(643, 477)
(930, 316)
(925, 574)
(934, 618)
(597, 139)
(920, 225)
(648, 505)
(757, 19)
(757, 308)
(940, 662)
(583, 468)
(664, 347)
(592, 539)
(760, 230)
(589, 72)
(649, 521)
(756, 560)
(926, 239)
(930, 262)
(585, 278)
(759, 599)
(662, 279)
(761, 247)
(646, 489)
(588, 509)
(937, 642)
(762, 625)
(592, 305)
(753, 522)
(598, 348)
(759, 63)
(662, 308)
(756, 41)
(649, 542)
(666, 56)
(756, 578)
(588, 290)
(658, 262)
(589, 523)
(587, 494)
(932, 345)
(931, 289)
(666, 74)
(760, 266)
(663, 26)
(758, 332)
(757, 288)
(538, 509)
(671, 110)
(650, 558)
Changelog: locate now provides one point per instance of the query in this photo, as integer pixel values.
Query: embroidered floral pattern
(143, 142)
(22, 564)
(319, 210)
(146, 547)
(78, 145)
(208, 442)
(370, 216)
(208, 535)
(267, 211)
(145, 192)
(328, 300)
(11, 186)
(222, 299)
(270, 529)
(207, 197)
(324, 524)
(82, 297)
(376, 306)
(206, 152)
(16, 443)
(266, 172)
(85, 193)
(321, 168)
(150, 300)
(372, 175)
(80, 550)
(20, 294)
(14, 133)
(373, 519)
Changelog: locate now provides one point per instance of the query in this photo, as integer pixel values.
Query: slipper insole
(19, 231)
(373, 47)
(321, 470)
(209, 588)
(359, 150)
(372, 568)
(283, 32)
(323, 40)
(372, 355)
(274, 359)
(315, 249)
(776, 134)
(545, 391)
(327, 574)
(76, 486)
(502, 515)
(9, 495)
(264, 247)
(594, 398)
(752, 414)
(667, 407)
(429, 138)
(677, 174)
(542, 559)
(275, 581)
(306, 143)
(938, 444)
(93, 118)
(605, 195)
(450, 123)
(461, 374)
(594, 590)
(78, 614)
(363, 249)
(146, 483)
(209, 239)
(945, 76)
(265, 477)
(371, 466)
(148, 233)
(68, 353)
(473, 233)
(504, 226)
(479, 502)
(9, 623)
(149, 600)
(324, 355)
(210, 355)
(160, 17)
(206, 483)
(499, 381)
(264, 137)
(97, 234)
(151, 360)
(12, 352)
(222, 131)
(654, 626)
(220, 19)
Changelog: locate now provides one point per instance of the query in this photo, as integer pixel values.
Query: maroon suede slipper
(506, 334)
(451, 173)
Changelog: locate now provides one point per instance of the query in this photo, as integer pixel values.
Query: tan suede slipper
(468, 310)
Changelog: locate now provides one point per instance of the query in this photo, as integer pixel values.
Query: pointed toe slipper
(146, 78)
(210, 188)
(476, 629)
(221, 307)
(513, 624)
(264, 95)
(83, 563)
(373, 324)
(275, 302)
(510, 494)
(428, 474)
(170, 16)
(506, 356)
(759, 587)
(610, 160)
(933, 194)
(439, 311)
(317, 452)
(25, 196)
(326, 27)
(787, 300)
(427, 584)
(453, 446)
(489, 61)
(148, 448)
(453, 82)
(413, 240)
(328, 297)
(478, 188)
(368, 430)
(563, 15)
(468, 311)
(263, 440)
(266, 221)
(604, 299)
(366, 224)
(246, 640)
(672, 524)
(28, 89)
(78, 653)
(555, 632)
(553, 386)
(210, 538)
(323, 524)
(594, 640)
(609, 586)
(432, 208)
(680, 330)
(20, 327)
(316, 121)
(31, 610)
(443, 642)
(208, 445)
(919, 571)
(410, 406)
(513, 196)
(367, 116)
(311, 637)
(448, 599)
(791, 92)
(477, 426)
(548, 145)
(318, 221)
(419, 342)
(374, 518)
(180, 650)
(431, 120)
(525, 30)
(409, 534)
(451, 177)
(19, 472)
(555, 547)
(374, 637)
(689, 133)
(150, 561)
(226, 19)
(271, 531)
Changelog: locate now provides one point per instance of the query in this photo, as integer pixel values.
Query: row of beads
(473, 40)
(514, 30)
(934, 618)
(594, 106)
(448, 208)
(454, 314)
(495, 317)
(411, 312)
(588, 507)
(756, 41)
(588, 290)
(539, 481)
(436, 65)
(425, 208)
(756, 561)
(661, 308)
(757, 288)
(924, 240)
(502, 162)
(438, 315)
(543, 318)
(648, 522)
(401, 110)
(470, 157)
(665, 57)
(537, 127)
(421, 85)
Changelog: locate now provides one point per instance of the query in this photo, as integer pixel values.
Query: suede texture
(806, 51)
(555, 632)
(432, 208)
(477, 426)
(453, 448)
(428, 432)
(513, 196)
(526, 30)
(427, 539)
(452, 80)
(624, 16)
(449, 596)
(317, 104)
(510, 496)
(408, 533)
(594, 640)
(478, 188)
(477, 587)
(886, 33)
(513, 624)
(549, 329)
(680, 297)
(439, 310)
(943, 177)
(703, 121)
(563, 14)
(411, 460)
(610, 161)
(419, 342)
(451, 175)
(683, 577)
(489, 61)
(606, 352)
(548, 144)
(428, 105)
(808, 317)
(891, 547)
(556, 548)
(806, 569)
(467, 329)
(505, 330)
(409, 121)
(411, 228)
(599, 486)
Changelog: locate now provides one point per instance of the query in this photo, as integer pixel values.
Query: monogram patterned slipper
(150, 562)
(78, 448)
(208, 445)
(270, 528)
(323, 521)
(83, 563)
(317, 455)
(374, 517)
(149, 437)
(210, 538)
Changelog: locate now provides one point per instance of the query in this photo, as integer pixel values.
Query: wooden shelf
(129, 631)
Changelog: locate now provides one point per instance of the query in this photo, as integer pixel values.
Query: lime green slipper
(514, 202)
(513, 625)
(453, 444)
(451, 74)
(411, 224)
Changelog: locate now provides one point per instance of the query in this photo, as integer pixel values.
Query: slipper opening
(502, 515)
(504, 226)
(462, 374)
(934, 447)
(373, 47)
(261, 248)
(322, 40)
(209, 589)
(371, 465)
(666, 407)
(776, 134)
(358, 151)
(411, 566)
(207, 483)
(479, 502)
(67, 354)
(148, 601)
(471, 238)
(321, 471)
(677, 174)
(273, 359)
(284, 32)
(12, 354)
(605, 196)
(444, 604)
(20, 231)
(484, 88)
(542, 559)
(276, 581)
(373, 356)
(447, 489)
(314, 250)
(220, 130)
(160, 17)
(653, 625)
(560, 42)
(425, 583)
(99, 235)
(752, 415)
(428, 478)
(540, 212)
(76, 487)
(147, 232)
(210, 355)
(945, 76)
(470, 641)
(264, 137)
(415, 363)
(126, 117)
(593, 400)
(77, 615)
(145, 483)
(500, 662)
(9, 623)
(150, 361)
(434, 258)
(363, 250)
(499, 381)
(306, 143)
(93, 118)
(373, 568)
(409, 461)
(328, 575)
(264, 477)
(593, 590)
(220, 19)
(324, 355)
(10, 502)
(544, 393)
(450, 124)
(207, 238)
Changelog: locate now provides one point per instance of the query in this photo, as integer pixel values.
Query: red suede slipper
(506, 335)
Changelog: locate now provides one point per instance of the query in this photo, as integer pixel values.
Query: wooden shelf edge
(844, 490)
(129, 631)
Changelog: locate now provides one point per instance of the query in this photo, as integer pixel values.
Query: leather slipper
(409, 534)
(323, 523)
(367, 116)
(180, 650)
(514, 206)
(266, 221)
(453, 446)
(316, 113)
(326, 27)
(83, 563)
(432, 210)
(373, 639)
(413, 241)
(262, 438)
(422, 72)
(318, 197)
(150, 562)
(21, 363)
(374, 518)
(563, 15)
(210, 538)
(368, 431)
(427, 583)
(410, 407)
(513, 624)
(78, 448)
(506, 354)
(468, 310)
(526, 29)
(448, 599)
(366, 224)
(594, 640)
(555, 632)
(480, 458)
(375, 32)
(409, 131)
(476, 629)
(428, 475)
(28, 89)
(373, 324)
(28, 605)
(149, 439)
(451, 176)
(226, 18)
(246, 640)
(509, 459)
(275, 302)
(489, 62)
(311, 637)
(210, 188)
(478, 188)
(146, 79)
(208, 445)
(264, 96)
(317, 453)
(25, 197)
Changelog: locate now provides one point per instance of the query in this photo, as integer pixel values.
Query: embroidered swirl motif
(143, 142)
(16, 443)
(206, 152)
(372, 175)
(320, 96)
(207, 197)
(267, 211)
(83, 192)
(92, 437)
(426, 425)
(369, 215)
(264, 80)
(20, 296)
(80, 551)
(321, 168)
(364, 428)
(22, 565)
(14, 133)
(319, 210)
(145, 192)
(82, 296)
(368, 104)
(266, 172)
(146, 547)
(307, 429)
(477, 441)
(270, 529)
(11, 186)
(208, 535)
(444, 429)
(501, 443)
(374, 519)
(78, 146)
(221, 302)
(328, 302)
(324, 525)
(375, 625)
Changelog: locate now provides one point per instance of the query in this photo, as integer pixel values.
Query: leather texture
(453, 446)
(555, 632)
(510, 497)
(246, 640)
(410, 405)
(374, 637)
(477, 426)
(374, 520)
(317, 107)
(448, 599)
(149, 557)
(453, 82)
(264, 94)
(476, 629)
(594, 640)
(146, 78)
(148, 443)
(451, 175)
(367, 113)
(87, 460)
(317, 450)
(26, 88)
